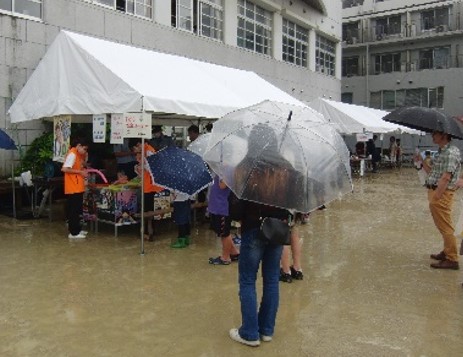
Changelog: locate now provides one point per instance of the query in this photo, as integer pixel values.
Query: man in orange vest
(149, 187)
(74, 186)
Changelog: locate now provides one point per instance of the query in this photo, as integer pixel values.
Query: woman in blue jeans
(258, 324)
(263, 176)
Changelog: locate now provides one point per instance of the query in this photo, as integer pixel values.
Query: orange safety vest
(74, 183)
(149, 185)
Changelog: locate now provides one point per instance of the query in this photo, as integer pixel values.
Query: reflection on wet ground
(367, 291)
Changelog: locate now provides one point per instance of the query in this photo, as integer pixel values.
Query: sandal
(219, 261)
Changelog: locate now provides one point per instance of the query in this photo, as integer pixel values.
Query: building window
(351, 3)
(388, 26)
(143, 8)
(295, 43)
(435, 18)
(325, 52)
(350, 32)
(435, 58)
(32, 8)
(421, 97)
(254, 27)
(387, 63)
(350, 66)
(347, 98)
(202, 17)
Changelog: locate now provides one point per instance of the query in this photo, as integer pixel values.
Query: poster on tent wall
(99, 128)
(137, 125)
(117, 129)
(61, 137)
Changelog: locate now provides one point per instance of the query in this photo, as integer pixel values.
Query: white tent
(354, 119)
(82, 75)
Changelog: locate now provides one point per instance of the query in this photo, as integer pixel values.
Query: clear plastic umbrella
(280, 155)
(199, 146)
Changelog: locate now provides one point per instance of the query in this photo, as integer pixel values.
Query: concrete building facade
(403, 52)
(294, 44)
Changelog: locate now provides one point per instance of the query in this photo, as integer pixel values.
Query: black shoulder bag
(275, 231)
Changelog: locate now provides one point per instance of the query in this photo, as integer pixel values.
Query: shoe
(265, 338)
(285, 277)
(296, 274)
(219, 261)
(440, 256)
(446, 264)
(77, 236)
(180, 243)
(148, 237)
(236, 240)
(187, 241)
(305, 218)
(83, 233)
(234, 257)
(235, 336)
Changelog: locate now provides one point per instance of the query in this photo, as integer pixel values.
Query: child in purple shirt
(221, 222)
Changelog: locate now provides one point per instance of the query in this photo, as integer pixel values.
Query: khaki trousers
(441, 211)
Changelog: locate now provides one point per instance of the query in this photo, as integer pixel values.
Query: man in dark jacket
(375, 155)
(159, 140)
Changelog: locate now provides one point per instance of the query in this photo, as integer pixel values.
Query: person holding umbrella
(271, 179)
(441, 184)
(443, 176)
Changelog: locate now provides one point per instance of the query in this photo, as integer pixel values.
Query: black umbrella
(426, 119)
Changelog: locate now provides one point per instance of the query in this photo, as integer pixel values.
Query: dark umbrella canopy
(179, 169)
(6, 142)
(426, 119)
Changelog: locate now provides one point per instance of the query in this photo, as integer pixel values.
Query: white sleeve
(70, 160)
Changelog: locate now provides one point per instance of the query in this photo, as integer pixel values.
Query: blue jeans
(253, 251)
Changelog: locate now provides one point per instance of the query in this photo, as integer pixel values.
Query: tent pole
(14, 190)
(142, 221)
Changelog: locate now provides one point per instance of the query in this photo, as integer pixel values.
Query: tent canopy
(354, 119)
(82, 75)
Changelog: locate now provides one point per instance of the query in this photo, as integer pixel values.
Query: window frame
(300, 53)
(324, 58)
(411, 96)
(252, 26)
(136, 4)
(196, 16)
(15, 13)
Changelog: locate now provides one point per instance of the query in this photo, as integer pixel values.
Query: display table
(119, 205)
(111, 204)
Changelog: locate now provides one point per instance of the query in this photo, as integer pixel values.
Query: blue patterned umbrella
(6, 142)
(179, 169)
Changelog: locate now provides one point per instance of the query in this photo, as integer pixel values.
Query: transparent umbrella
(280, 155)
(199, 146)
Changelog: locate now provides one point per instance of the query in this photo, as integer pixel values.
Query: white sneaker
(83, 233)
(77, 236)
(235, 336)
(265, 338)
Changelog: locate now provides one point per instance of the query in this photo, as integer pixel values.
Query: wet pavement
(368, 289)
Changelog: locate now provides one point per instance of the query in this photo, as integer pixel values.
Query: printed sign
(99, 128)
(137, 125)
(117, 129)
(61, 137)
(364, 136)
